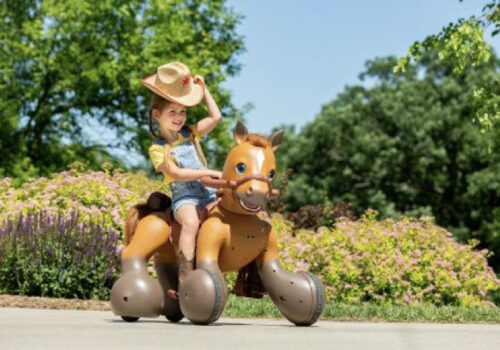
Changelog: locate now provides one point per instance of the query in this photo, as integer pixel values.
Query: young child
(176, 151)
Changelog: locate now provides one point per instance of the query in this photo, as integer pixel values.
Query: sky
(301, 54)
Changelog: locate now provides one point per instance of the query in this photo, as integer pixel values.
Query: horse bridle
(233, 185)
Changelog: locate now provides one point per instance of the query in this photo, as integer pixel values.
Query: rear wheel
(175, 316)
(129, 318)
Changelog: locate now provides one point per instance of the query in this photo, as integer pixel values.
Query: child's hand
(198, 79)
(214, 173)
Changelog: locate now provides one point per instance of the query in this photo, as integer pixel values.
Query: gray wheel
(320, 299)
(202, 297)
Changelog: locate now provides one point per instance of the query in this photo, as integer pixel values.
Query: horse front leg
(136, 294)
(299, 296)
(203, 293)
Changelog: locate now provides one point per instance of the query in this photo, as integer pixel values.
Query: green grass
(245, 307)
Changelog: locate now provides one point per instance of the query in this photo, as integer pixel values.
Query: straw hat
(174, 82)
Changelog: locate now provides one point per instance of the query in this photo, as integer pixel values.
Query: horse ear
(276, 138)
(239, 132)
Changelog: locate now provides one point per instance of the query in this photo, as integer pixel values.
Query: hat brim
(189, 100)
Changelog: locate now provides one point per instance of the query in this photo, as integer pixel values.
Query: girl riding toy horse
(230, 238)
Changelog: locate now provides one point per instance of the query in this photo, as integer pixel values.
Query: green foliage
(406, 145)
(390, 262)
(462, 45)
(57, 256)
(71, 68)
(486, 103)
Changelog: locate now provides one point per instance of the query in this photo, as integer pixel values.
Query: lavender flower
(71, 258)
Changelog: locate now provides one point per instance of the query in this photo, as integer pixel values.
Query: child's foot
(185, 266)
(172, 294)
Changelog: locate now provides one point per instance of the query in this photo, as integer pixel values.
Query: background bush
(315, 216)
(57, 256)
(391, 262)
(405, 261)
(97, 195)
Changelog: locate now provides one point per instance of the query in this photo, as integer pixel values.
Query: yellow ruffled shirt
(157, 149)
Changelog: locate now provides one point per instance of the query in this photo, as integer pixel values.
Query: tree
(69, 66)
(406, 145)
(462, 45)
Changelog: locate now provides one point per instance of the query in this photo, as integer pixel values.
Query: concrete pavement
(70, 329)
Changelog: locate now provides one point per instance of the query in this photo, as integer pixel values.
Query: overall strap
(186, 132)
(196, 142)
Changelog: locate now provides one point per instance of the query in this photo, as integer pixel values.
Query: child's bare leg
(187, 216)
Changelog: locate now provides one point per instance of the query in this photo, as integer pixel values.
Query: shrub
(315, 216)
(96, 195)
(57, 256)
(391, 262)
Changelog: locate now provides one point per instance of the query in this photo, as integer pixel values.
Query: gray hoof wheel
(320, 299)
(201, 297)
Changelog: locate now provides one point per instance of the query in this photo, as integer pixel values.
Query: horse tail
(157, 201)
(135, 213)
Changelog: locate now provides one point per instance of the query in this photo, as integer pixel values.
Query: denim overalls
(190, 192)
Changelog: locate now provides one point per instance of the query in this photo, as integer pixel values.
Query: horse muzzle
(252, 200)
(253, 196)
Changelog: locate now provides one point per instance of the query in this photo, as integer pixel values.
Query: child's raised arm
(207, 124)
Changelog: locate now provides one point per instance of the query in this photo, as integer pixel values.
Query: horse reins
(231, 184)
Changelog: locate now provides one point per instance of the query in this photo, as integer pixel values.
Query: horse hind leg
(136, 293)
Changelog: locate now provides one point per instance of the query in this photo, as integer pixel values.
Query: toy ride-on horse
(231, 237)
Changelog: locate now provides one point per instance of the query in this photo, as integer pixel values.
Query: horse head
(250, 167)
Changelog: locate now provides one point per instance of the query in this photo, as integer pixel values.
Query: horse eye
(240, 168)
(271, 174)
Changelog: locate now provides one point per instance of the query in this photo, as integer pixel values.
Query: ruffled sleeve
(156, 154)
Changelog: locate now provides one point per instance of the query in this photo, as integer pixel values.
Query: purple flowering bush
(57, 256)
(389, 262)
(96, 195)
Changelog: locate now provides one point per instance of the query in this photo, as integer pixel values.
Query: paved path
(65, 329)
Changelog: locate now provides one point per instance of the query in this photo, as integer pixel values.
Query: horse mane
(257, 140)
